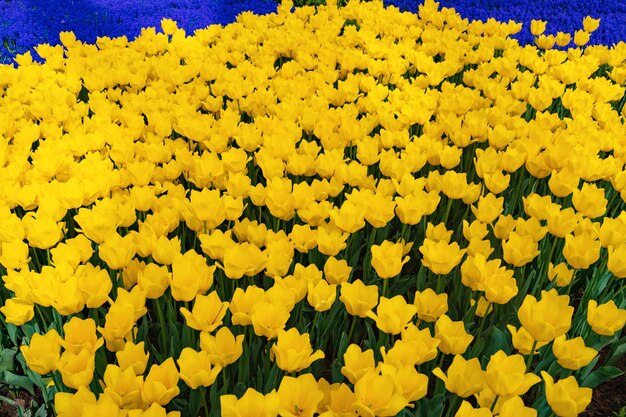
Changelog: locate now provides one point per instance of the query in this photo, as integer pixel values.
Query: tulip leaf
(336, 375)
(601, 375)
(239, 389)
(42, 411)
(432, 407)
(7, 359)
(618, 352)
(20, 381)
(496, 340)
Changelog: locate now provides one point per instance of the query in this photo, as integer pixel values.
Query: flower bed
(332, 211)
(93, 19)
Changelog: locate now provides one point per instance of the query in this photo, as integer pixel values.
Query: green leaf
(7, 359)
(18, 381)
(496, 340)
(601, 375)
(432, 407)
(41, 411)
(620, 350)
(239, 389)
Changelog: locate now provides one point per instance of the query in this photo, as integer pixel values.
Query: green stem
(493, 404)
(529, 361)
(351, 329)
(163, 331)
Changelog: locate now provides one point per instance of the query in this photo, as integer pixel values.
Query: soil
(21, 398)
(609, 397)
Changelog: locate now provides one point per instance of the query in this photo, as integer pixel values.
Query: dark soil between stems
(609, 397)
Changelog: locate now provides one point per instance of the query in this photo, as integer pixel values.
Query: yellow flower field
(323, 211)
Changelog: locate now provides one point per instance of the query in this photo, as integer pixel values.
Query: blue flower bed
(562, 15)
(25, 23)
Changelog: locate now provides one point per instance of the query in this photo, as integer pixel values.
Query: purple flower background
(26, 23)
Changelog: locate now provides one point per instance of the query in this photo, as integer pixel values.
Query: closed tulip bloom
(190, 276)
(561, 222)
(42, 231)
(349, 217)
(14, 254)
(242, 303)
(514, 407)
(77, 368)
(251, 404)
(463, 377)
(519, 250)
(377, 395)
(581, 251)
(565, 397)
(224, 348)
(154, 280)
(563, 39)
(522, 340)
(336, 271)
(404, 353)
(453, 336)
(537, 27)
(581, 37)
(196, 368)
(43, 352)
(72, 404)
(155, 410)
(488, 208)
(268, 318)
(161, 384)
(133, 356)
(322, 295)
(207, 313)
(357, 363)
(299, 397)
(438, 233)
(590, 24)
(561, 273)
(617, 260)
(605, 319)
(338, 399)
(243, 259)
(165, 250)
(95, 285)
(118, 324)
(572, 353)
(547, 318)
(387, 259)
(506, 375)
(441, 257)
(392, 314)
(590, 200)
(122, 386)
(430, 306)
(104, 407)
(208, 207)
(81, 334)
(413, 385)
(117, 251)
(466, 410)
(293, 351)
(422, 343)
(358, 298)
(330, 239)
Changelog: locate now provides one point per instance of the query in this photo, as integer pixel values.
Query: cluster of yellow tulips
(323, 211)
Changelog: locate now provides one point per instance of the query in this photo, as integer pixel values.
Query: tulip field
(334, 210)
